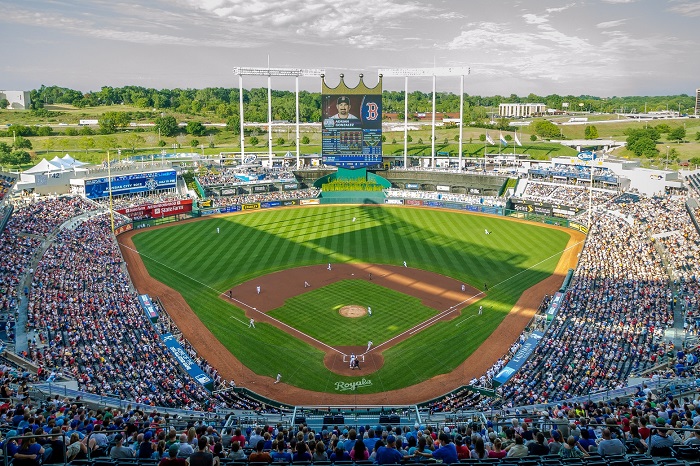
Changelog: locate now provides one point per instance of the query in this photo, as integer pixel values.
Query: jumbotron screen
(352, 126)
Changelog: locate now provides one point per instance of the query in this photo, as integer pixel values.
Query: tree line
(223, 102)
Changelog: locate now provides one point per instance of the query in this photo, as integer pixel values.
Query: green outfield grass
(201, 264)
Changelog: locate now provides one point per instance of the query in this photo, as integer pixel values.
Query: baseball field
(426, 327)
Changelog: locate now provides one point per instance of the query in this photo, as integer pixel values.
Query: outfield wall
(362, 198)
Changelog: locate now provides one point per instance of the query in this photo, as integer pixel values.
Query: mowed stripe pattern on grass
(193, 259)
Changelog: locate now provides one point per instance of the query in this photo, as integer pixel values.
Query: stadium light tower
(270, 72)
(434, 72)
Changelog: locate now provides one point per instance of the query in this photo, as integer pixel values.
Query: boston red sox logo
(372, 111)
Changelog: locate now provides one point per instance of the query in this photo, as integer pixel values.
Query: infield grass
(316, 313)
(199, 263)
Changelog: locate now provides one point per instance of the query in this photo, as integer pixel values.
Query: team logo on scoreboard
(151, 184)
(372, 111)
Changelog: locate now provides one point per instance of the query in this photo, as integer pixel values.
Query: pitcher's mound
(353, 311)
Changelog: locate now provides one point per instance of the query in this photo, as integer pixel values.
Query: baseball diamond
(427, 335)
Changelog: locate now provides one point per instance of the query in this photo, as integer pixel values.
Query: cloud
(619, 1)
(360, 23)
(690, 9)
(534, 19)
(559, 9)
(610, 24)
(555, 53)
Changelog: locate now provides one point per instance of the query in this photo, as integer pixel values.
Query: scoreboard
(352, 125)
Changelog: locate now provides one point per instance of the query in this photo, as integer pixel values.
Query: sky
(580, 47)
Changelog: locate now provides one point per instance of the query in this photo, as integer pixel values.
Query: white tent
(60, 163)
(44, 167)
(71, 162)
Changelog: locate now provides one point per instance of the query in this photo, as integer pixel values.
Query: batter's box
(360, 357)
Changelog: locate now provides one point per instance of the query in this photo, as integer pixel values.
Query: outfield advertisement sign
(518, 360)
(394, 201)
(163, 209)
(309, 202)
(186, 362)
(412, 186)
(267, 205)
(290, 186)
(544, 208)
(97, 188)
(250, 206)
(220, 210)
(434, 203)
(413, 202)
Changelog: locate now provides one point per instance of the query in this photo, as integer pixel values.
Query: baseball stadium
(510, 310)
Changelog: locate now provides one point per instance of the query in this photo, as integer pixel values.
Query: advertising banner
(518, 360)
(412, 186)
(268, 204)
(433, 203)
(310, 202)
(186, 362)
(443, 188)
(163, 209)
(123, 229)
(532, 207)
(251, 206)
(393, 201)
(554, 305)
(148, 307)
(413, 202)
(97, 188)
(290, 186)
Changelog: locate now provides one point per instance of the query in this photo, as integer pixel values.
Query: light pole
(667, 149)
(269, 72)
(431, 72)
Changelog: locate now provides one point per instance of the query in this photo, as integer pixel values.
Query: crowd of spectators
(81, 300)
(42, 216)
(612, 320)
(124, 202)
(667, 221)
(437, 195)
(310, 193)
(567, 194)
(228, 176)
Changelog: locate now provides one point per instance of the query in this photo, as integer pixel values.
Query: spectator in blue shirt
(389, 454)
(447, 452)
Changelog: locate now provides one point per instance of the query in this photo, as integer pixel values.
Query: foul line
(451, 309)
(294, 330)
